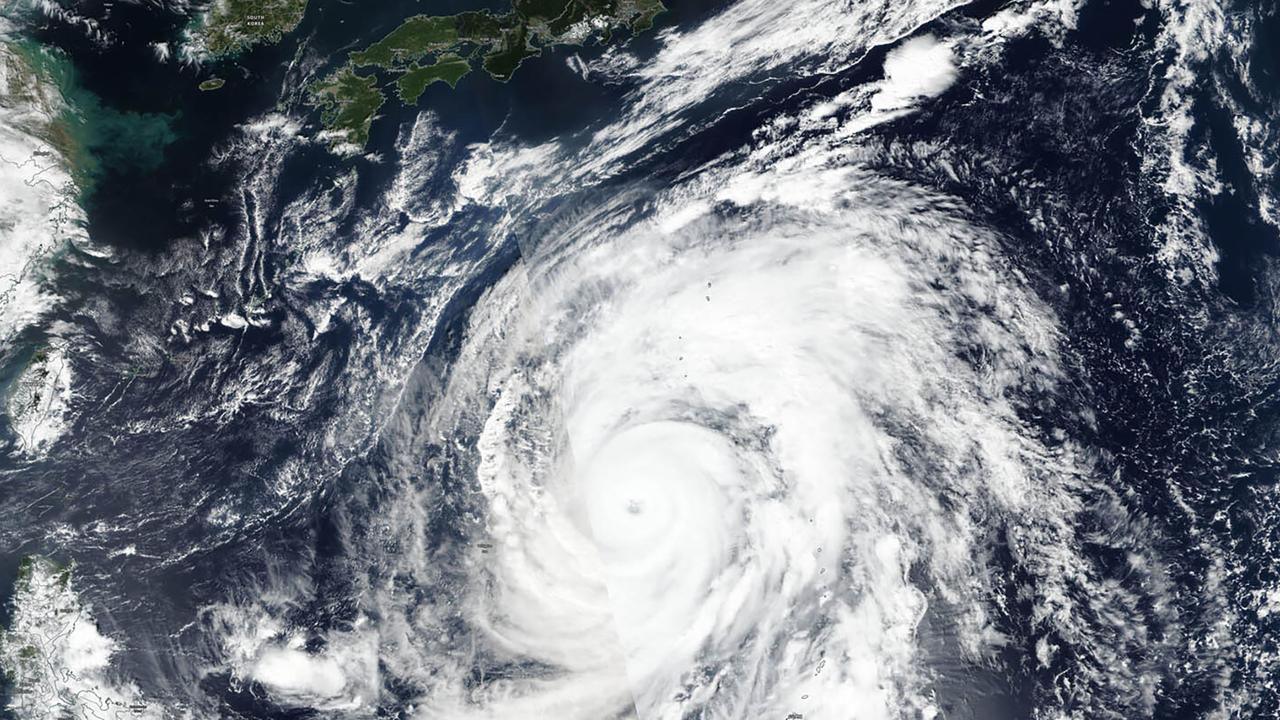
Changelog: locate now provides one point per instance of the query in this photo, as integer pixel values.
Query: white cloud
(917, 69)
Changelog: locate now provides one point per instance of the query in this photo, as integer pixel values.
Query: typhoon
(817, 360)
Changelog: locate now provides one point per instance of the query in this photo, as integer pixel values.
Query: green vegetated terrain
(448, 69)
(348, 101)
(443, 48)
(230, 26)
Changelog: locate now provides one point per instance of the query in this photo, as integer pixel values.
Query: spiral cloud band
(775, 434)
(728, 459)
(766, 439)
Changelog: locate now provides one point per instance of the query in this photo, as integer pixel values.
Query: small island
(212, 84)
(426, 49)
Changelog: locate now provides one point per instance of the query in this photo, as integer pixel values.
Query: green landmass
(347, 103)
(44, 669)
(29, 70)
(212, 84)
(428, 48)
(448, 69)
(416, 38)
(514, 47)
(232, 26)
